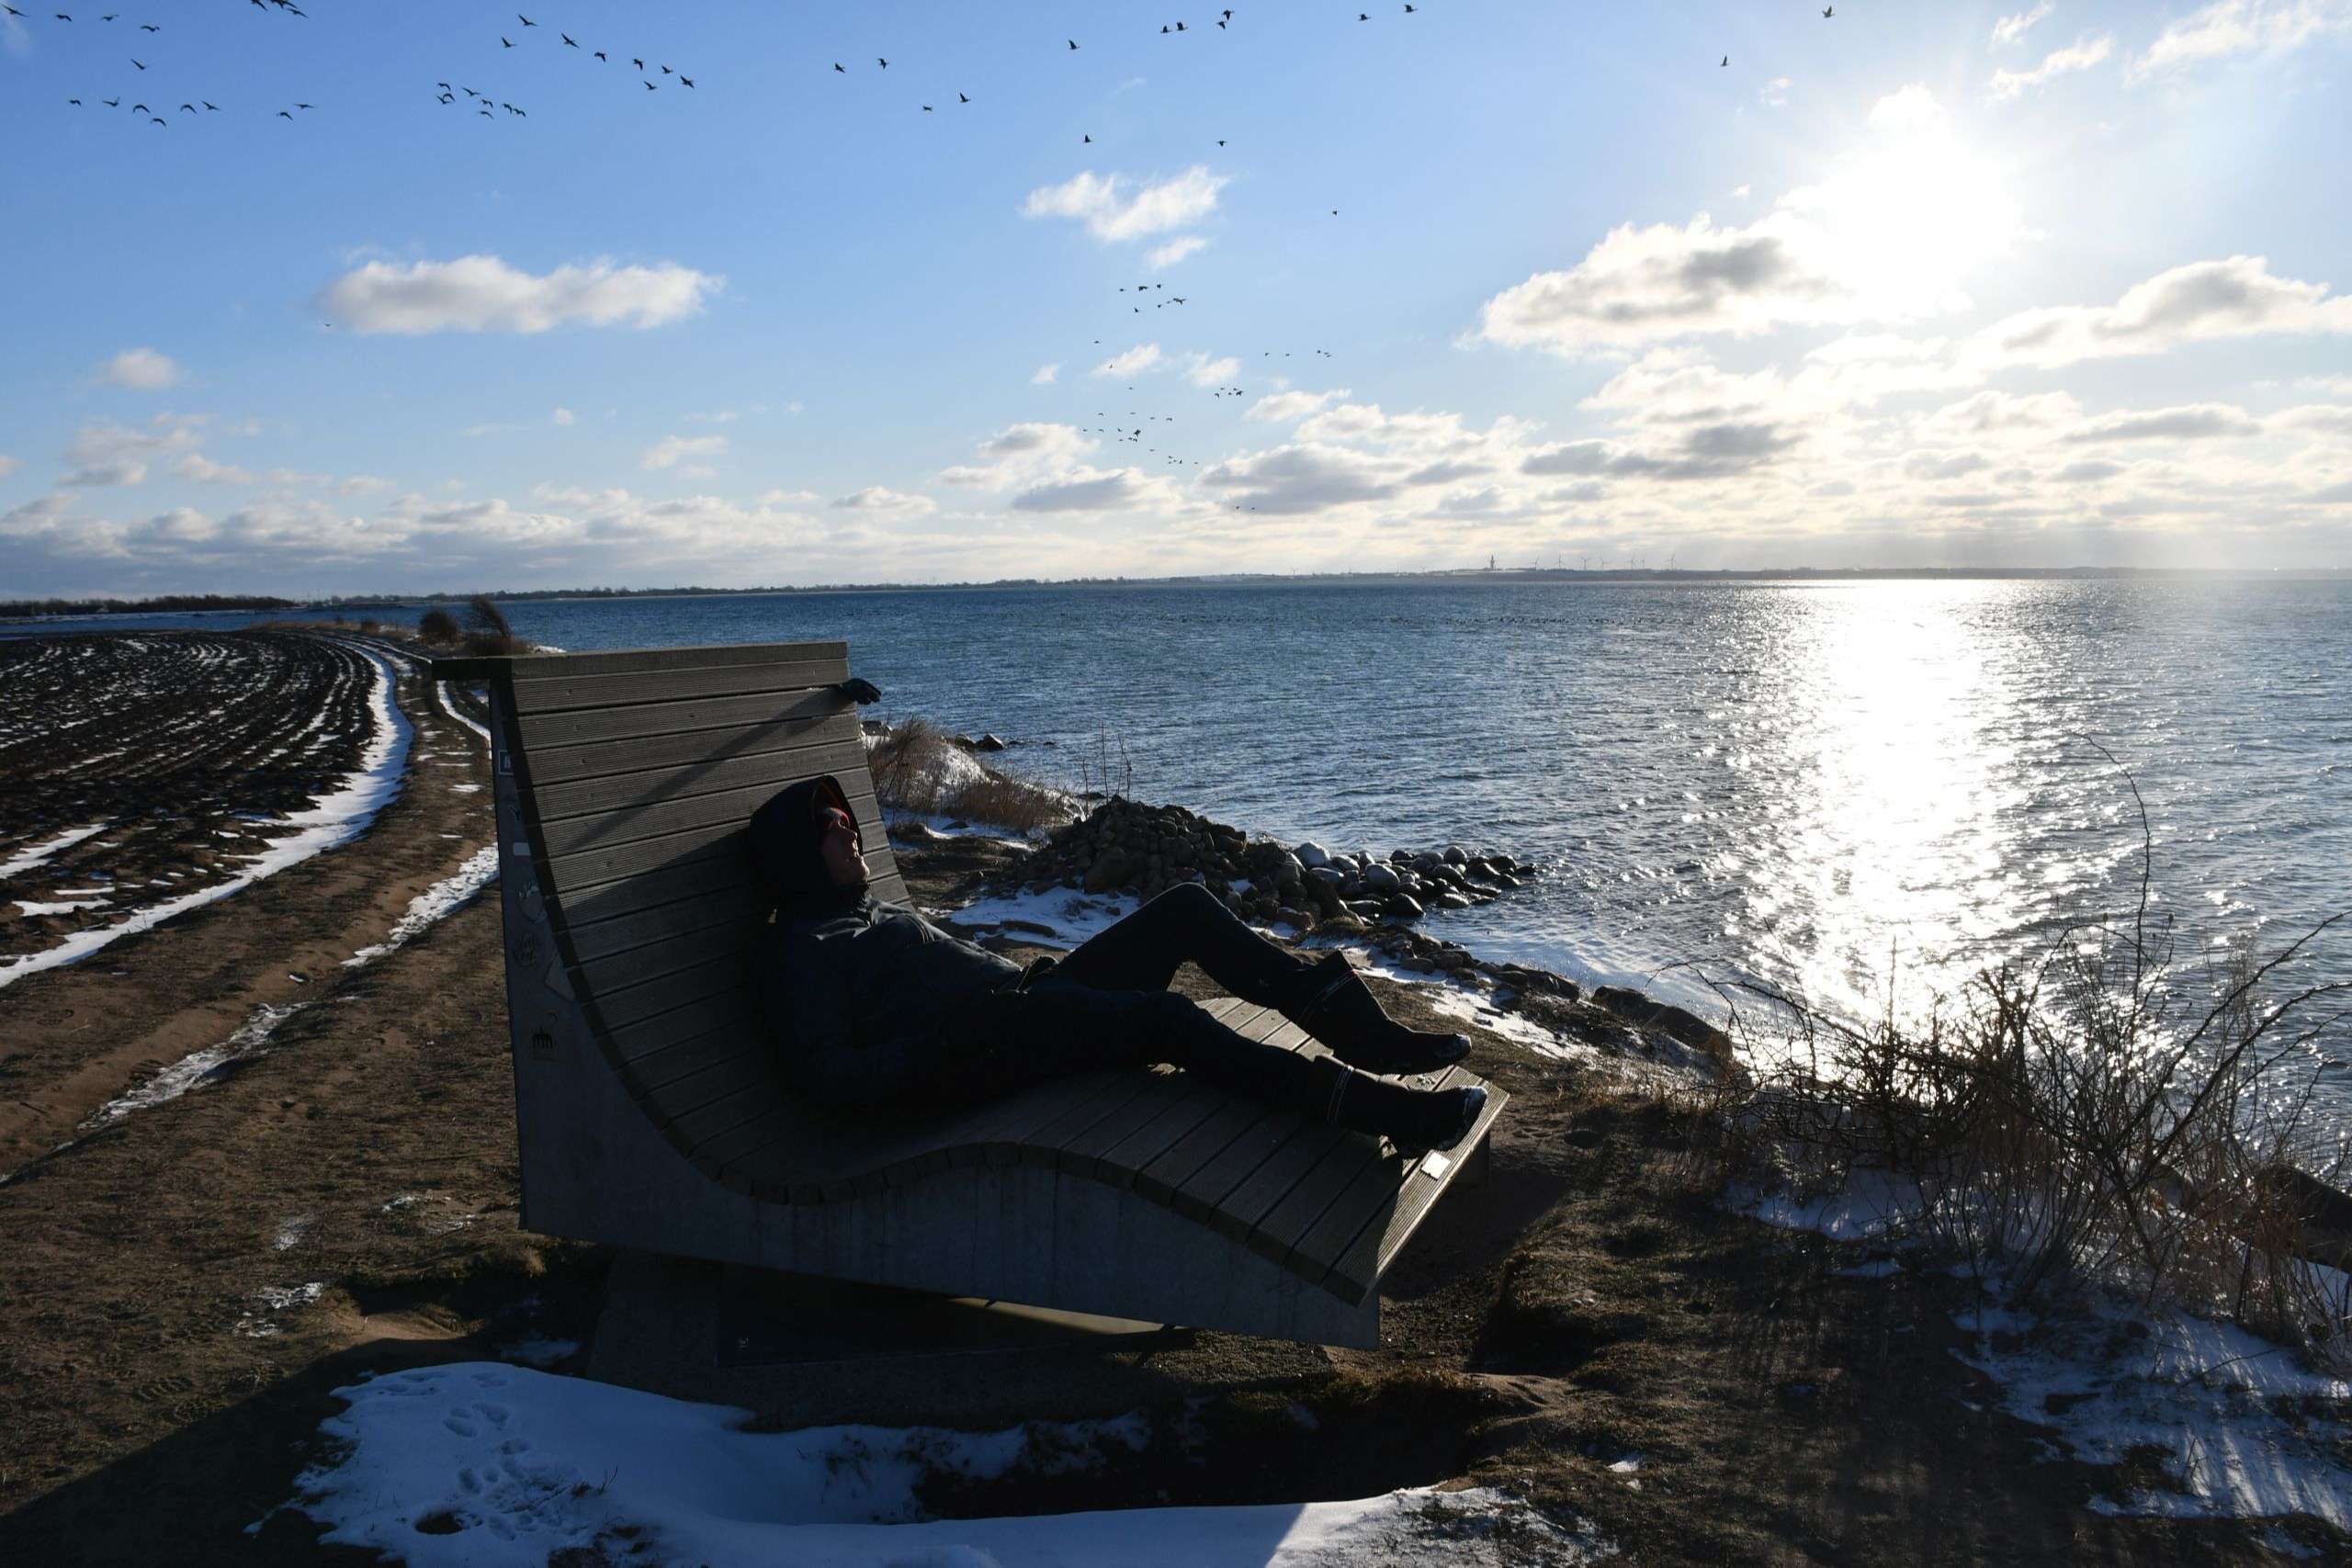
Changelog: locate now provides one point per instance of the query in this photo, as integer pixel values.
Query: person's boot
(1415, 1119)
(1330, 1000)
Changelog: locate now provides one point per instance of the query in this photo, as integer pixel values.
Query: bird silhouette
(837, 66)
(886, 64)
(141, 63)
(189, 107)
(926, 109)
(507, 41)
(1825, 10)
(283, 115)
(665, 71)
(1073, 43)
(1726, 60)
(11, 10)
(600, 55)
(140, 109)
(567, 42)
(212, 108)
(525, 20)
(686, 80)
(301, 106)
(651, 88)
(111, 103)
(1087, 140)
(75, 102)
(962, 99)
(638, 64)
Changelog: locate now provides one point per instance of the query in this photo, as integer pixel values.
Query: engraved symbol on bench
(525, 951)
(527, 898)
(543, 1042)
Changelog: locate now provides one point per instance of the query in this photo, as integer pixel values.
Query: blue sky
(2041, 284)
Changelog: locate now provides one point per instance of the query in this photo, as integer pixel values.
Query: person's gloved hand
(858, 690)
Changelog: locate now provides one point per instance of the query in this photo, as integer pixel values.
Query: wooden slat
(1278, 1231)
(723, 1151)
(1356, 1271)
(697, 1053)
(611, 862)
(722, 1009)
(653, 787)
(705, 895)
(1083, 1153)
(587, 727)
(719, 977)
(1338, 1226)
(1118, 1163)
(1042, 1147)
(1000, 1143)
(608, 979)
(707, 1122)
(814, 718)
(561, 692)
(744, 1069)
(1165, 1173)
(628, 660)
(723, 808)
(1256, 1194)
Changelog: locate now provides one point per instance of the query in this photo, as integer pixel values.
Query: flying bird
(886, 64)
(507, 41)
(600, 55)
(76, 102)
(213, 108)
(1089, 140)
(638, 64)
(283, 115)
(189, 107)
(567, 40)
(665, 71)
(837, 66)
(686, 81)
(301, 106)
(651, 88)
(525, 20)
(111, 103)
(1073, 43)
(962, 99)
(141, 63)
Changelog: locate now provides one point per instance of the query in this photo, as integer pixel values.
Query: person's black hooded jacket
(839, 971)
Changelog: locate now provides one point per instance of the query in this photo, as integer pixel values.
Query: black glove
(858, 690)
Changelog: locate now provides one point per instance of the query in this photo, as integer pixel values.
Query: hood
(785, 835)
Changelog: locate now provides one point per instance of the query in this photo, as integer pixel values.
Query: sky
(2039, 283)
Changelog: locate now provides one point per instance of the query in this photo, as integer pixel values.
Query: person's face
(844, 859)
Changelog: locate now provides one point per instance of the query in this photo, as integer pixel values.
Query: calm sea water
(1816, 786)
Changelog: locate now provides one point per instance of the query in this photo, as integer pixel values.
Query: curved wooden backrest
(636, 775)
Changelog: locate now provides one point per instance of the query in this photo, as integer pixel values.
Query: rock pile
(1125, 846)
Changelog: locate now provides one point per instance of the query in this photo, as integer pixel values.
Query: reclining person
(867, 1002)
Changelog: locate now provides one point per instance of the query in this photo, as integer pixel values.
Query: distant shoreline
(177, 604)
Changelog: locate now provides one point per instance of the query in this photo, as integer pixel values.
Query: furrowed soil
(182, 1288)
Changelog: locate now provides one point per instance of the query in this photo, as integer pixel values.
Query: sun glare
(1908, 220)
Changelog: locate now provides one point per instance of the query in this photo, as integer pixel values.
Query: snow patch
(482, 1462)
(195, 1066)
(26, 859)
(434, 903)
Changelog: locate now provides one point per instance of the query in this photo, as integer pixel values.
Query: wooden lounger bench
(650, 1115)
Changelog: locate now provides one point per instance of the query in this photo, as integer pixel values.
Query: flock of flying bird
(487, 107)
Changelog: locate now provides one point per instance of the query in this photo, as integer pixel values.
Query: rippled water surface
(1791, 781)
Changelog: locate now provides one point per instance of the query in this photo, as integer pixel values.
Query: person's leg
(1058, 1027)
(1142, 951)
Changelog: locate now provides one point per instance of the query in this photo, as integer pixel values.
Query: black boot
(1413, 1118)
(1330, 1000)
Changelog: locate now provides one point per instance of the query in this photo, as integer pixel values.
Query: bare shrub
(483, 614)
(488, 636)
(2098, 1114)
(437, 625)
(917, 767)
(1104, 770)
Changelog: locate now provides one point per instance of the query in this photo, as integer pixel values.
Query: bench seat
(650, 1115)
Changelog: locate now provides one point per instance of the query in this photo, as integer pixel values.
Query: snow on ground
(485, 1463)
(1470, 1001)
(942, 825)
(1069, 916)
(2246, 1430)
(59, 907)
(333, 818)
(195, 1066)
(434, 903)
(34, 855)
(449, 706)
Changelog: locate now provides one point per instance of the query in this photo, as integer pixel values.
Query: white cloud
(1774, 94)
(2080, 55)
(888, 502)
(2008, 29)
(10, 465)
(1046, 375)
(2236, 297)
(1026, 454)
(1143, 357)
(1089, 491)
(483, 293)
(197, 466)
(1165, 256)
(1095, 200)
(667, 452)
(2190, 421)
(563, 416)
(1280, 407)
(1303, 478)
(104, 455)
(141, 370)
(2242, 26)
(1888, 236)
(1202, 371)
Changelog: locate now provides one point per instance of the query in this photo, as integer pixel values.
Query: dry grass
(2097, 1115)
(917, 767)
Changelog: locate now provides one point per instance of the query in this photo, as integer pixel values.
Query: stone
(988, 742)
(1344, 924)
(1324, 896)
(1456, 855)
(1364, 908)
(1449, 901)
(1109, 870)
(1288, 870)
(1327, 874)
(1403, 906)
(1313, 855)
(1382, 879)
(1298, 919)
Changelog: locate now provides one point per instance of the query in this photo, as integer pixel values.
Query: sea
(1858, 795)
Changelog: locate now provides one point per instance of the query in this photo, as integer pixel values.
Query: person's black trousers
(1107, 1005)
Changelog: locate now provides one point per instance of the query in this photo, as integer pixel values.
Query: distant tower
(1491, 563)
